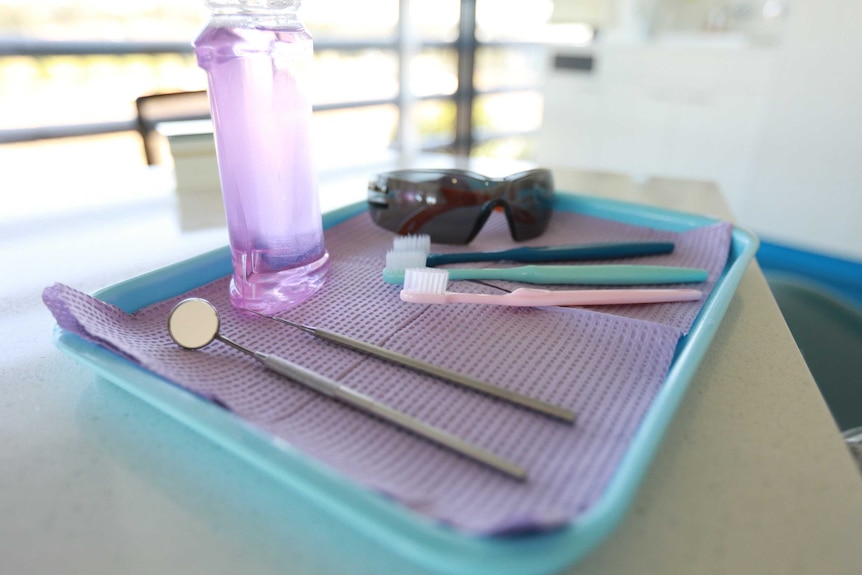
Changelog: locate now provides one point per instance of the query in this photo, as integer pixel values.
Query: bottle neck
(267, 20)
(264, 11)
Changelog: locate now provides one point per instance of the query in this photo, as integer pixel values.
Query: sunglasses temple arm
(557, 253)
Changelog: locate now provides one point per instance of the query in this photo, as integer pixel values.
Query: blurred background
(759, 96)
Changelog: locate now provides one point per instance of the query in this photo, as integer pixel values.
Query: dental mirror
(194, 323)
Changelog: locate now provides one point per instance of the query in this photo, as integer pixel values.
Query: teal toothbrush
(399, 261)
(527, 254)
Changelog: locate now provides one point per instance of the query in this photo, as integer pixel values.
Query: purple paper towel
(607, 364)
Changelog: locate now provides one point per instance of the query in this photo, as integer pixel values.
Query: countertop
(752, 477)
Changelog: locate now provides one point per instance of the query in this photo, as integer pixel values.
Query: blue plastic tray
(418, 539)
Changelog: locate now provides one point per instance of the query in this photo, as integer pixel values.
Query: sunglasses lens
(455, 226)
(452, 206)
(530, 196)
(444, 205)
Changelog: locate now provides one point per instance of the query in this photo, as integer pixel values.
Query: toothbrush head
(411, 243)
(425, 285)
(398, 261)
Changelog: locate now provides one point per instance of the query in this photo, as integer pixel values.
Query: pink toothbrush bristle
(425, 280)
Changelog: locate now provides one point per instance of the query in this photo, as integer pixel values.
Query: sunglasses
(451, 206)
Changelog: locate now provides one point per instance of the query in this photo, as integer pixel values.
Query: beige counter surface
(752, 476)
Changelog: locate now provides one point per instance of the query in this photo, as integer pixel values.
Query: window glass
(504, 114)
(181, 20)
(104, 88)
(53, 90)
(354, 76)
(57, 90)
(91, 89)
(434, 73)
(165, 20)
(349, 19)
(510, 148)
(509, 67)
(435, 20)
(512, 20)
(435, 123)
(353, 137)
(510, 112)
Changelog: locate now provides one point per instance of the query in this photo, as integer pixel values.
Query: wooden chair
(154, 109)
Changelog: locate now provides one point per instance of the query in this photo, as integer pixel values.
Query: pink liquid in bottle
(261, 116)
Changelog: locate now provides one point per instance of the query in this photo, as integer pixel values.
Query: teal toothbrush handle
(556, 253)
(587, 274)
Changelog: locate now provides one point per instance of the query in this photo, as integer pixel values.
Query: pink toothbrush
(428, 286)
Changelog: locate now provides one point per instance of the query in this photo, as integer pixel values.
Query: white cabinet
(777, 127)
(646, 109)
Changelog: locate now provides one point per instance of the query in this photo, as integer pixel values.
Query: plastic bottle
(257, 55)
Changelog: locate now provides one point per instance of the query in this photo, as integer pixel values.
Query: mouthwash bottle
(257, 56)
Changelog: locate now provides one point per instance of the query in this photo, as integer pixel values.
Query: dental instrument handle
(437, 371)
(556, 253)
(360, 401)
(584, 274)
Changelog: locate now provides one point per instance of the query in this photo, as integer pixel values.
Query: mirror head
(193, 323)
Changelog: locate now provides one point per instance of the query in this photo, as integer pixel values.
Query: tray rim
(415, 537)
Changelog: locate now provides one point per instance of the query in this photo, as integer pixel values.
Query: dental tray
(410, 534)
